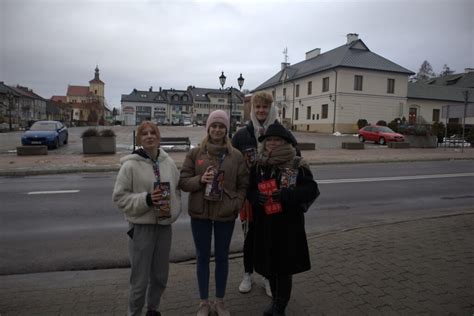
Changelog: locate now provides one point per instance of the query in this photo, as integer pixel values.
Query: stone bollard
(306, 146)
(398, 145)
(31, 150)
(352, 145)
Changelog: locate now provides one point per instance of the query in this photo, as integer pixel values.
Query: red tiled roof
(59, 98)
(77, 90)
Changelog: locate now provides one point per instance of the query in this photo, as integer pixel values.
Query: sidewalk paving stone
(428, 269)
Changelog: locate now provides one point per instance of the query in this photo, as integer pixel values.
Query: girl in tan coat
(216, 177)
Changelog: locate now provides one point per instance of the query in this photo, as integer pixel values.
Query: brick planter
(421, 141)
(98, 145)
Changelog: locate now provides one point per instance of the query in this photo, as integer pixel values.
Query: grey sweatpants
(149, 257)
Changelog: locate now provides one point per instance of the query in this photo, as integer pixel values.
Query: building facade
(87, 94)
(442, 99)
(179, 107)
(20, 105)
(329, 92)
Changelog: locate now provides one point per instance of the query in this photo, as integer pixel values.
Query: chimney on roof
(313, 53)
(351, 37)
(284, 65)
(151, 89)
(160, 89)
(468, 70)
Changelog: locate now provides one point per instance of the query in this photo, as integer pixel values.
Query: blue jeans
(202, 235)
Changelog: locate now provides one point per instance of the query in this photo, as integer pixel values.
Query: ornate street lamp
(465, 94)
(240, 81)
(222, 79)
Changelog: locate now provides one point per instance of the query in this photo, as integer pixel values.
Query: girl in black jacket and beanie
(281, 190)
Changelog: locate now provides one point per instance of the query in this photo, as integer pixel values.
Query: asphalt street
(51, 227)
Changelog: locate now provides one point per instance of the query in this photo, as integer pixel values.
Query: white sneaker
(246, 284)
(268, 289)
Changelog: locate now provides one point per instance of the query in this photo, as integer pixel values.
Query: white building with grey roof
(331, 91)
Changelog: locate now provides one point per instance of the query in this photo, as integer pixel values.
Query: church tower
(96, 87)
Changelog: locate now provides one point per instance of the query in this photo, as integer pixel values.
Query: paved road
(48, 231)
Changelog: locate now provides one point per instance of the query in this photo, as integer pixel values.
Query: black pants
(248, 249)
(281, 291)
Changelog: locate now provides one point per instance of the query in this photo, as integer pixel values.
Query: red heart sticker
(200, 162)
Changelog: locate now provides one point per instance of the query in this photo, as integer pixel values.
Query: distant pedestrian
(263, 113)
(217, 178)
(146, 191)
(281, 189)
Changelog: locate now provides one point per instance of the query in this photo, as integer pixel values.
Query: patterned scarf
(280, 157)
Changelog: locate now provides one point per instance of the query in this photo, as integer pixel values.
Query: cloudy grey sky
(48, 44)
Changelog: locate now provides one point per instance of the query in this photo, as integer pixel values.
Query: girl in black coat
(281, 190)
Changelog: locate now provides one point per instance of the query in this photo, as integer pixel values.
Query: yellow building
(87, 94)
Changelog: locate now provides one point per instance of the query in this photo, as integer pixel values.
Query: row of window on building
(358, 86)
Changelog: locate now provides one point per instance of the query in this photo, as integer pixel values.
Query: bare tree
(426, 72)
(446, 71)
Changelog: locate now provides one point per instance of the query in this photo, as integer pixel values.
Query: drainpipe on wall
(293, 106)
(335, 99)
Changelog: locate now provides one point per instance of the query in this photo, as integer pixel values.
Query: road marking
(400, 178)
(52, 192)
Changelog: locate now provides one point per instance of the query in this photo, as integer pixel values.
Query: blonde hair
(140, 129)
(262, 97)
(227, 143)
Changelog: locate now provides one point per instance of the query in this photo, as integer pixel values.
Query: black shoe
(153, 313)
(279, 309)
(269, 310)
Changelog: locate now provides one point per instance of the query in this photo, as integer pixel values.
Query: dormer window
(185, 98)
(175, 97)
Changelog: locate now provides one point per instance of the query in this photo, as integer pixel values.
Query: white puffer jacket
(135, 180)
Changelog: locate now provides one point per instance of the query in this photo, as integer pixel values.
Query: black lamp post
(240, 81)
(10, 101)
(465, 94)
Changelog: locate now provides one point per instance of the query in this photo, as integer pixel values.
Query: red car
(379, 134)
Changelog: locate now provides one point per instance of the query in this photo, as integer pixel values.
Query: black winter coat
(281, 247)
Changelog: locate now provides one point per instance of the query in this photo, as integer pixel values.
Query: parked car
(379, 134)
(187, 122)
(49, 133)
(175, 121)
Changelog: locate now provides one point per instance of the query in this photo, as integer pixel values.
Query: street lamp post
(465, 94)
(240, 81)
(10, 101)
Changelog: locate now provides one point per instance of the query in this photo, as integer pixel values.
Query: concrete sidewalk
(12, 165)
(423, 266)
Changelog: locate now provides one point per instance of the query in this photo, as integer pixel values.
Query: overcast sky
(47, 45)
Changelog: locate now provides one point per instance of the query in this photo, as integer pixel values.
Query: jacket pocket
(231, 202)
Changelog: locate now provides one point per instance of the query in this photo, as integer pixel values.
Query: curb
(115, 168)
